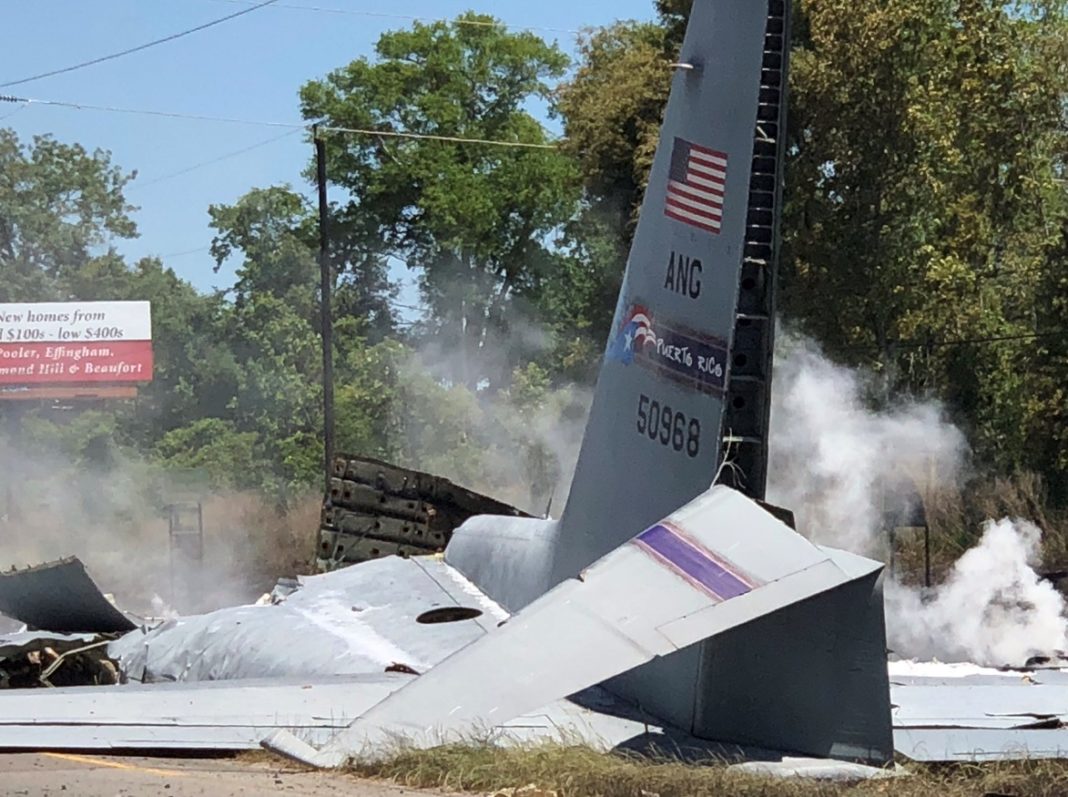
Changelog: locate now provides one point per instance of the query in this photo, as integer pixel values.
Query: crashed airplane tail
(675, 365)
(684, 392)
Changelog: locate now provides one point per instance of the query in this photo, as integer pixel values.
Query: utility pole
(327, 316)
(12, 509)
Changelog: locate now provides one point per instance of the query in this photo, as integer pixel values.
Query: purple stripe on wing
(692, 562)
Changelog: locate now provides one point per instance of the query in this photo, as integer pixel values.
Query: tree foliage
(473, 221)
(59, 203)
(926, 203)
(925, 237)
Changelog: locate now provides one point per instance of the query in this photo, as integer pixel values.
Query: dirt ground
(55, 774)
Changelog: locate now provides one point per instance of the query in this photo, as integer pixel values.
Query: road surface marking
(99, 762)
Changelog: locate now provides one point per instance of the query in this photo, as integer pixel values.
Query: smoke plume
(111, 512)
(849, 472)
(840, 465)
(992, 609)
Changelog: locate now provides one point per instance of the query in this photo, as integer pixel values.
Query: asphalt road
(67, 775)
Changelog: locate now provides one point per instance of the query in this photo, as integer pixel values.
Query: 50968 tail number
(671, 429)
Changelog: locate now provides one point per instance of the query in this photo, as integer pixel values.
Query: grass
(570, 771)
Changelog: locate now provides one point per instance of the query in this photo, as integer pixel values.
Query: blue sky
(248, 68)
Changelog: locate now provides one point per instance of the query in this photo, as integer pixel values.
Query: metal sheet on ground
(233, 715)
(22, 641)
(980, 744)
(222, 715)
(361, 619)
(977, 706)
(60, 597)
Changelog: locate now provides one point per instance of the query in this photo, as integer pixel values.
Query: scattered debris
(60, 597)
(820, 769)
(531, 790)
(354, 621)
(39, 659)
(375, 509)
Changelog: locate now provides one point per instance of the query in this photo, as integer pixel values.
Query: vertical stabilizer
(687, 372)
(654, 437)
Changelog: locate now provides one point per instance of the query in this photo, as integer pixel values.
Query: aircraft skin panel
(652, 442)
(674, 584)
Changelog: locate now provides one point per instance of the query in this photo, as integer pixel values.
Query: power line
(937, 344)
(80, 106)
(173, 255)
(138, 48)
(993, 339)
(290, 125)
(433, 137)
(408, 18)
(9, 115)
(219, 159)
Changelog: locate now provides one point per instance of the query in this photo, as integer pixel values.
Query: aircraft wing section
(653, 439)
(718, 563)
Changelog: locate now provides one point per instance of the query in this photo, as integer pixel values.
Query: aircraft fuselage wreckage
(658, 605)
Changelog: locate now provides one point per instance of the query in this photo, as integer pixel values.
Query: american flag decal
(696, 184)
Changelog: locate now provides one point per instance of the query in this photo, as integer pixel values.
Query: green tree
(473, 220)
(612, 108)
(229, 457)
(276, 232)
(57, 204)
(273, 229)
(940, 226)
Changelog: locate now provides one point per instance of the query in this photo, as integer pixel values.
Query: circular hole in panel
(448, 614)
(738, 403)
(741, 360)
(748, 284)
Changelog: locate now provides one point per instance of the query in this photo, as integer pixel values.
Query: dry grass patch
(572, 771)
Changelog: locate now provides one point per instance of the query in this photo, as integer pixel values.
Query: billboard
(75, 343)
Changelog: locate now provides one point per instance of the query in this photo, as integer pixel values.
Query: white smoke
(992, 609)
(839, 465)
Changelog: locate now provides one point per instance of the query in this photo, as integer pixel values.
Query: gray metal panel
(603, 722)
(664, 687)
(969, 705)
(818, 668)
(25, 641)
(507, 558)
(1021, 678)
(59, 596)
(205, 716)
(360, 619)
(625, 480)
(645, 599)
(980, 744)
(949, 683)
(234, 715)
(811, 678)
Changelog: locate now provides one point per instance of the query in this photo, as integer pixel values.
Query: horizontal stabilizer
(716, 564)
